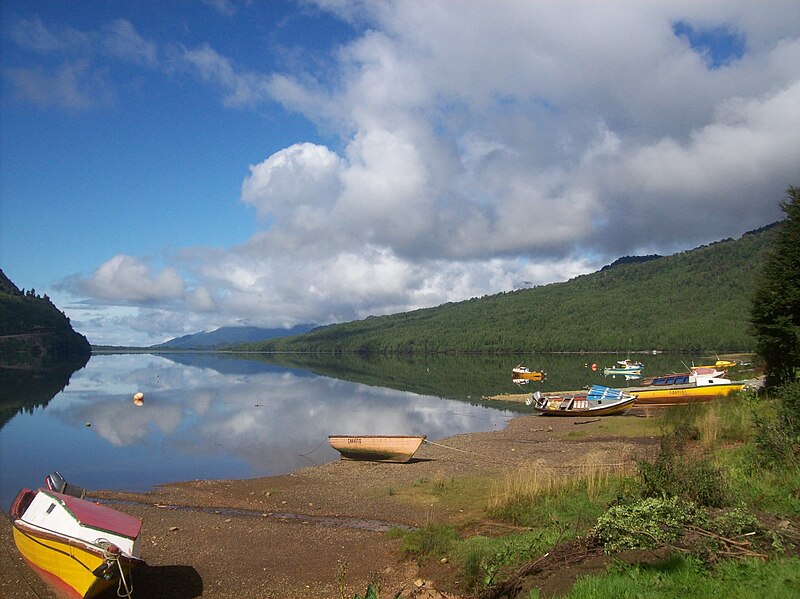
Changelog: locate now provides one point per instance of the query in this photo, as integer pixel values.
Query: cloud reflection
(275, 421)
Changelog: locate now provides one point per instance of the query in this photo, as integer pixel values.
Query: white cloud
(481, 146)
(129, 279)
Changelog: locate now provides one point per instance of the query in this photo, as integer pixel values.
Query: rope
(457, 449)
(609, 465)
(112, 556)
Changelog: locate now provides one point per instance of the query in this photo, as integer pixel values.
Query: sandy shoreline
(319, 531)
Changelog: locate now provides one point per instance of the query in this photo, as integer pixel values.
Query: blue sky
(170, 167)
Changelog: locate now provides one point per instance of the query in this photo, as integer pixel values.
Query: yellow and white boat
(523, 374)
(77, 547)
(683, 388)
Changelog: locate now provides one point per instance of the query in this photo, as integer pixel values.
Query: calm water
(210, 416)
(219, 419)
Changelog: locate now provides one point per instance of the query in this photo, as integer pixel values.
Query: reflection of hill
(467, 377)
(240, 364)
(24, 390)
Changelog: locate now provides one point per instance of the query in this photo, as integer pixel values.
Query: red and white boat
(77, 547)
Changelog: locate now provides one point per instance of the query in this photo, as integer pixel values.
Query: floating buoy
(138, 398)
(594, 366)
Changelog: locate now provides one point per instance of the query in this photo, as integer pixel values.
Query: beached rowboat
(376, 448)
(599, 401)
(79, 548)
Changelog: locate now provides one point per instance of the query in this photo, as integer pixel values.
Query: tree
(775, 312)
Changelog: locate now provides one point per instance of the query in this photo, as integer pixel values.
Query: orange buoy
(138, 398)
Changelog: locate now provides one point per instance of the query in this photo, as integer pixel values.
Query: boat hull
(523, 373)
(608, 371)
(609, 410)
(376, 448)
(681, 394)
(67, 565)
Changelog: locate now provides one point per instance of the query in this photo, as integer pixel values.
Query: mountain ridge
(224, 336)
(35, 334)
(695, 300)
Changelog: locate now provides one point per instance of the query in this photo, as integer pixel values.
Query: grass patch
(468, 494)
(434, 541)
(776, 491)
(539, 497)
(679, 577)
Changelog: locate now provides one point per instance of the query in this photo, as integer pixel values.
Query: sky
(173, 167)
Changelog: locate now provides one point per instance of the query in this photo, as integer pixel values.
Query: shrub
(645, 524)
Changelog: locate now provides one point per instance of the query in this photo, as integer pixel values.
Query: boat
(523, 373)
(376, 448)
(723, 364)
(77, 547)
(683, 388)
(683, 377)
(624, 367)
(599, 401)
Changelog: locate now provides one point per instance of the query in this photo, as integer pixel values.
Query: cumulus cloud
(126, 278)
(483, 146)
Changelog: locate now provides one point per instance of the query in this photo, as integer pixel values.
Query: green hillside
(34, 334)
(698, 300)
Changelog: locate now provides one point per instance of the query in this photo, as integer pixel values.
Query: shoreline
(284, 536)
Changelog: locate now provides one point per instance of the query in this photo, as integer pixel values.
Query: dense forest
(35, 334)
(697, 300)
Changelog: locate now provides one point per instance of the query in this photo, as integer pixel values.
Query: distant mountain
(690, 301)
(228, 335)
(34, 334)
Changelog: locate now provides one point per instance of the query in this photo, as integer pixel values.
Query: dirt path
(319, 533)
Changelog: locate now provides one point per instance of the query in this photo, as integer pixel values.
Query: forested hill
(34, 334)
(698, 300)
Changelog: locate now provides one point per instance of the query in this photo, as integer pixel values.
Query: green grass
(679, 578)
(703, 447)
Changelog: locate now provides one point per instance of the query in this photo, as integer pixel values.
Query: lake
(220, 416)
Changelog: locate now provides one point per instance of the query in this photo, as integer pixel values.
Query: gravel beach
(320, 532)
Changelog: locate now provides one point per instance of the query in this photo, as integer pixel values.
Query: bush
(777, 436)
(676, 474)
(646, 524)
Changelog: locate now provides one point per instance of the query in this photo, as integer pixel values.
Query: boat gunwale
(37, 532)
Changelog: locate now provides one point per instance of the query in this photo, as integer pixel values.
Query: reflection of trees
(225, 363)
(466, 376)
(23, 390)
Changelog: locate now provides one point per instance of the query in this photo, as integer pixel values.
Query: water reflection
(200, 422)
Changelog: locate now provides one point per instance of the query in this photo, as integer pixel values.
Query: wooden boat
(683, 388)
(77, 547)
(599, 401)
(624, 367)
(523, 373)
(376, 448)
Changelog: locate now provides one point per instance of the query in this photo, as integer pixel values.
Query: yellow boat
(523, 373)
(77, 547)
(376, 448)
(682, 388)
(720, 364)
